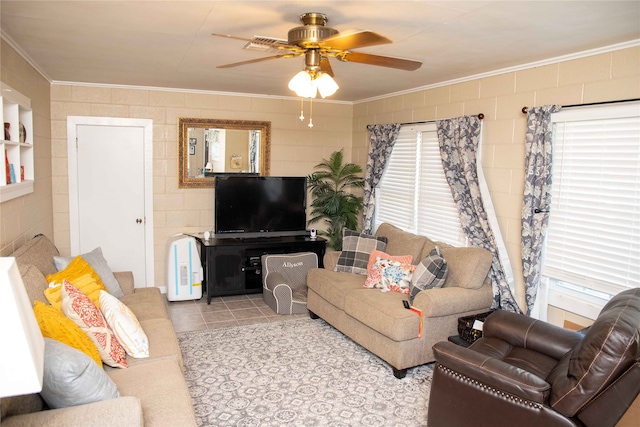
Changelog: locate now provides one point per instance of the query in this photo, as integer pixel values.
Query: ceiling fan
(318, 43)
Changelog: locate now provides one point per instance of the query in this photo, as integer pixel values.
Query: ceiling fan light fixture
(306, 84)
(303, 85)
(326, 85)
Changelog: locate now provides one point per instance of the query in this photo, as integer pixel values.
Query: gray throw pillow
(356, 248)
(72, 378)
(99, 264)
(429, 274)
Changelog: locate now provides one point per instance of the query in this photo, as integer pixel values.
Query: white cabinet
(16, 144)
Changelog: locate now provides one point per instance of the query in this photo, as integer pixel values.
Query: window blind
(593, 239)
(437, 212)
(396, 191)
(413, 193)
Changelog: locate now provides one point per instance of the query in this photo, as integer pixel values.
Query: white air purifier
(184, 270)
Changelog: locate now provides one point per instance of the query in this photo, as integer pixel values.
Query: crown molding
(555, 60)
(4, 36)
(207, 92)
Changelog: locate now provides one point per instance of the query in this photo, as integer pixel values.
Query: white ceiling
(169, 43)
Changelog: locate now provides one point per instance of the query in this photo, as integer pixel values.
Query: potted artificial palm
(333, 202)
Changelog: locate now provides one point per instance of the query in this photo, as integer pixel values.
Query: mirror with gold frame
(212, 147)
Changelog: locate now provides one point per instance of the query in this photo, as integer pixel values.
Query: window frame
(585, 299)
(423, 133)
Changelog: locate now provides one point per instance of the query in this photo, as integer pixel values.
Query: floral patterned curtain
(381, 141)
(537, 195)
(212, 141)
(254, 141)
(459, 140)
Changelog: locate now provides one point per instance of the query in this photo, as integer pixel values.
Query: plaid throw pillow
(429, 274)
(356, 248)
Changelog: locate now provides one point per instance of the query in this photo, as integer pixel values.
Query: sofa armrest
(523, 331)
(447, 301)
(123, 411)
(492, 372)
(125, 280)
(274, 279)
(330, 259)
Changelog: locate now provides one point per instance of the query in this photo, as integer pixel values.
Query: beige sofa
(379, 322)
(152, 390)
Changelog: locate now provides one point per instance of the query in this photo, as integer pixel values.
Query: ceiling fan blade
(383, 61)
(259, 41)
(325, 66)
(355, 40)
(253, 61)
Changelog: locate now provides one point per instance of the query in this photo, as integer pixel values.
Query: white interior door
(110, 192)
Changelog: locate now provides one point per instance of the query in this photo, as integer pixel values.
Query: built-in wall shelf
(16, 145)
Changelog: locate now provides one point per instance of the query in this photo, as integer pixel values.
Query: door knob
(139, 221)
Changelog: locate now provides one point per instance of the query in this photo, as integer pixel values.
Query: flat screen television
(260, 206)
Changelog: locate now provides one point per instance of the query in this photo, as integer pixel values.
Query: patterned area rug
(297, 372)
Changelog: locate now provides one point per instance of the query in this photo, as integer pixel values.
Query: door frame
(72, 160)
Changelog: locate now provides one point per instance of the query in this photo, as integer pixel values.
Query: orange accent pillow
(375, 254)
(81, 275)
(55, 325)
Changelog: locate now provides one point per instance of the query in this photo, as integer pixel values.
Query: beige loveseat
(379, 322)
(152, 390)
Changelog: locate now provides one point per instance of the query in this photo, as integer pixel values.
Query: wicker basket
(465, 326)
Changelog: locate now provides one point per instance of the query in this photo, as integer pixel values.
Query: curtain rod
(525, 109)
(480, 116)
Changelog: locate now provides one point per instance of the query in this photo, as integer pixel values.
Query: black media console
(234, 266)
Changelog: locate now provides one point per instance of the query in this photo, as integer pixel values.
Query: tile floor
(225, 311)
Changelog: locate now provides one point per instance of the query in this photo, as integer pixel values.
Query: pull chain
(310, 112)
(301, 109)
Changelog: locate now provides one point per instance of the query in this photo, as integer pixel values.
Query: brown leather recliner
(525, 372)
